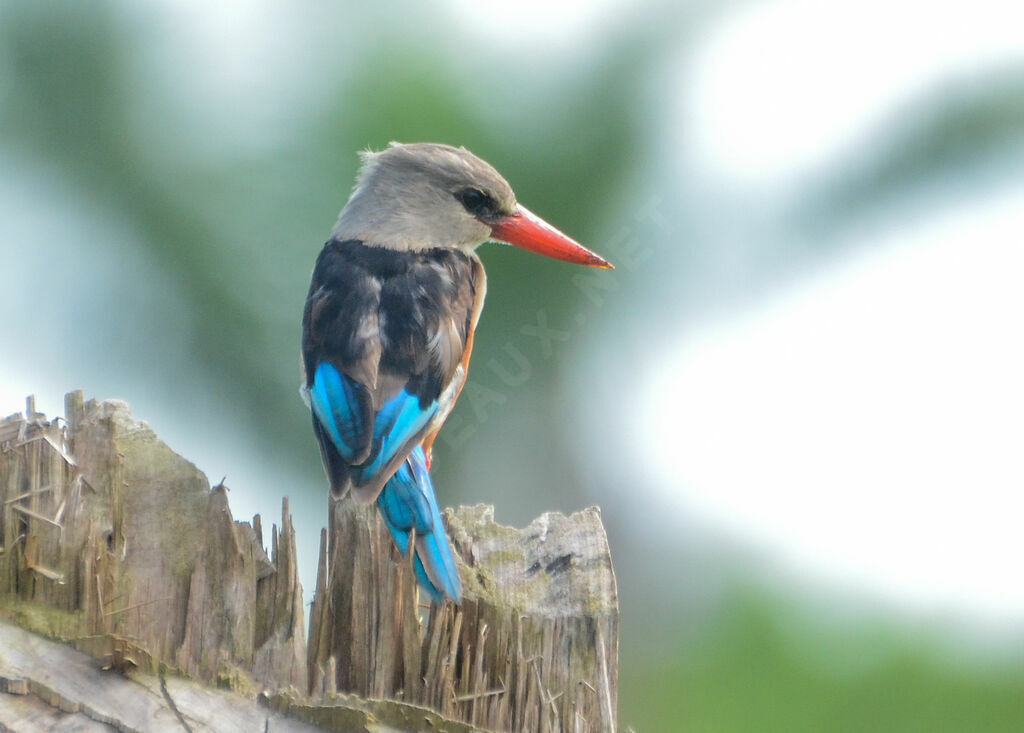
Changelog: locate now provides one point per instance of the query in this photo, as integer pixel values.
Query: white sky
(553, 25)
(866, 426)
(870, 422)
(779, 88)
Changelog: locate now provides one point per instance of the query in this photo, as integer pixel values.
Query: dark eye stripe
(477, 203)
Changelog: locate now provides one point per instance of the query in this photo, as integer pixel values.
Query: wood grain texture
(107, 533)
(68, 690)
(533, 647)
(115, 545)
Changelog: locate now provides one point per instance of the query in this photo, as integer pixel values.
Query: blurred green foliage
(227, 210)
(751, 671)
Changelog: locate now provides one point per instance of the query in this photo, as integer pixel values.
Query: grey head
(423, 195)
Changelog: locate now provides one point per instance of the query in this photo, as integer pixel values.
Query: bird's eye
(477, 202)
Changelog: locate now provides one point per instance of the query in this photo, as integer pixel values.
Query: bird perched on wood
(388, 325)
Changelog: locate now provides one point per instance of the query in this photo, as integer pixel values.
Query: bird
(387, 329)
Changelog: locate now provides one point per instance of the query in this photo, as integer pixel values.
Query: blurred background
(798, 400)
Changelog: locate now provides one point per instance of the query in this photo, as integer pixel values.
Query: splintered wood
(113, 543)
(533, 646)
(108, 533)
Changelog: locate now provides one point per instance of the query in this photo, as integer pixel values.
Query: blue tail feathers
(366, 443)
(407, 502)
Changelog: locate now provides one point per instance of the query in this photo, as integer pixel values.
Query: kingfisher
(387, 329)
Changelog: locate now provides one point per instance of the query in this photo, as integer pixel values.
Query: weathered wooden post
(110, 541)
(534, 645)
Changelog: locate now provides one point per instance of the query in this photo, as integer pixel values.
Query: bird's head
(424, 195)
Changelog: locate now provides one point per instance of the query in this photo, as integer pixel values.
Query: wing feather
(385, 337)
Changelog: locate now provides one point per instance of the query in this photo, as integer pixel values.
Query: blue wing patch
(340, 404)
(395, 424)
(339, 409)
(407, 502)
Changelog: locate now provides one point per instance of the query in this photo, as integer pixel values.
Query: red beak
(527, 230)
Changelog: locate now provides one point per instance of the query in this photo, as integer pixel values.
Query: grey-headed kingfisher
(387, 329)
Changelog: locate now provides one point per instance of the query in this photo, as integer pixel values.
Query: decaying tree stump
(533, 647)
(51, 686)
(106, 531)
(112, 542)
